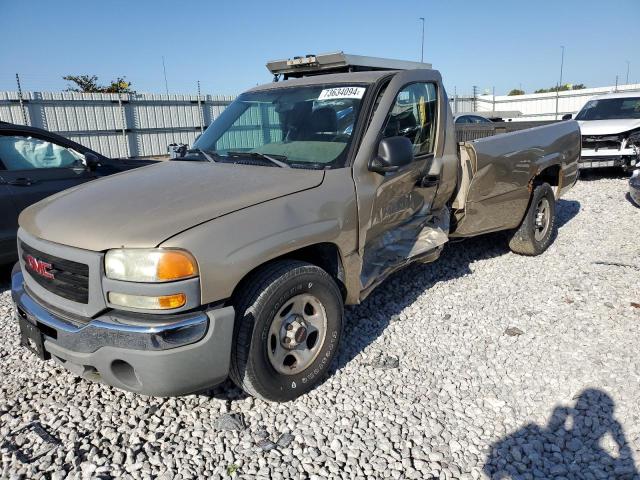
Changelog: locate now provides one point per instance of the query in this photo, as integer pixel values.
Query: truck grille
(65, 278)
(596, 142)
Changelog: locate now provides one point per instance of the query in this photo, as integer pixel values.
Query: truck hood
(608, 127)
(145, 206)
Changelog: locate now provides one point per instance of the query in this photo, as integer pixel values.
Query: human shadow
(585, 441)
(566, 210)
(364, 323)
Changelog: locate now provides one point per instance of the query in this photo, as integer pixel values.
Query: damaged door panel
(500, 171)
(401, 219)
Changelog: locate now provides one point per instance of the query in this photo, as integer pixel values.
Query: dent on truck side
(503, 169)
(230, 247)
(445, 158)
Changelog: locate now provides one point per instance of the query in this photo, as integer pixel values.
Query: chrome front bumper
(109, 329)
(159, 355)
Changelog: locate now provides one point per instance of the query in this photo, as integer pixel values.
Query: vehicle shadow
(585, 441)
(364, 323)
(589, 175)
(5, 277)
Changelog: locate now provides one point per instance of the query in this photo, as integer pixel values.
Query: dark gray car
(34, 164)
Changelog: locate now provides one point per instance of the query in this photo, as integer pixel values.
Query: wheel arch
(551, 174)
(325, 255)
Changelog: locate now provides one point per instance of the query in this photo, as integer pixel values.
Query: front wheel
(288, 326)
(536, 232)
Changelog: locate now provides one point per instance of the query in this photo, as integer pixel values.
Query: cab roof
(338, 78)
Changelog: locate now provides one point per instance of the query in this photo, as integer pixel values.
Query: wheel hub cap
(542, 219)
(296, 334)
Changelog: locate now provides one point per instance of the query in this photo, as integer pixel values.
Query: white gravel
(483, 364)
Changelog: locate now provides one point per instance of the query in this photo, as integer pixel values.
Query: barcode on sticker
(341, 92)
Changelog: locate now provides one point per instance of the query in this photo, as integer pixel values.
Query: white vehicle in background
(607, 122)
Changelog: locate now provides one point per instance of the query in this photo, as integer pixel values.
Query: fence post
(200, 112)
(123, 120)
(494, 100)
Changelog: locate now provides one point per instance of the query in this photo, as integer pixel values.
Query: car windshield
(610, 109)
(300, 127)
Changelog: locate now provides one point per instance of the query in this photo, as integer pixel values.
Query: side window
(414, 116)
(28, 153)
(258, 125)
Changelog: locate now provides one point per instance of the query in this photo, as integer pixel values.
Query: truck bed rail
(469, 132)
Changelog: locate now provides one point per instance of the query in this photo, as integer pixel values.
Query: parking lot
(484, 364)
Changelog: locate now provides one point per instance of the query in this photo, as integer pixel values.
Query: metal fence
(125, 125)
(535, 106)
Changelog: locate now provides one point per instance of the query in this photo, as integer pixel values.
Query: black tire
(529, 238)
(260, 299)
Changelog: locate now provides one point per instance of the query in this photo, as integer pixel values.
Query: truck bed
(496, 172)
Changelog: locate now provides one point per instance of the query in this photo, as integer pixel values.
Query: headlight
(149, 265)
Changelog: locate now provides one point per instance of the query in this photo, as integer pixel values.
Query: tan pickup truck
(304, 195)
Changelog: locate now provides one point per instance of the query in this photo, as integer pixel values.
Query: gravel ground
(483, 364)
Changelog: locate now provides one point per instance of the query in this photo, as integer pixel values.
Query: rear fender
(504, 168)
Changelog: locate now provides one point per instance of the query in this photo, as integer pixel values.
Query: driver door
(400, 205)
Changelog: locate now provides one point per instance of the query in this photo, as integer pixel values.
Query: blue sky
(493, 43)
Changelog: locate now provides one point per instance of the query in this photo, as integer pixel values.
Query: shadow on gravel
(364, 323)
(589, 175)
(585, 441)
(5, 277)
(565, 211)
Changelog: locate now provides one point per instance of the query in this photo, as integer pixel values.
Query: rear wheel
(288, 326)
(536, 232)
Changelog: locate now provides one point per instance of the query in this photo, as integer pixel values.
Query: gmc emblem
(38, 266)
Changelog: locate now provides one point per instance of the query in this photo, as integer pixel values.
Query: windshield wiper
(208, 155)
(273, 160)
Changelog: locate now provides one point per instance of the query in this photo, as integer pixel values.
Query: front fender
(231, 246)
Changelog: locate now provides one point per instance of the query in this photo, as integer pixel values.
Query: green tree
(562, 88)
(89, 84)
(516, 91)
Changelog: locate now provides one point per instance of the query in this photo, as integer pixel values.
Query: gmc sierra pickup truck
(304, 195)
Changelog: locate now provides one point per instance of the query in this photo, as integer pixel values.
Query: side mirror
(92, 161)
(567, 116)
(393, 153)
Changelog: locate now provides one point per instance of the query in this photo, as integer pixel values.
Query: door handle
(21, 182)
(429, 181)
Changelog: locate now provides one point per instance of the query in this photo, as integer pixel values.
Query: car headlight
(149, 265)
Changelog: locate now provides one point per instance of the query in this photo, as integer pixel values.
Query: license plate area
(31, 338)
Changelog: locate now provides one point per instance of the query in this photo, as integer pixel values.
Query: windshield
(610, 109)
(303, 127)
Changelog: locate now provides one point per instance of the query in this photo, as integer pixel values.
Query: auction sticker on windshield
(341, 92)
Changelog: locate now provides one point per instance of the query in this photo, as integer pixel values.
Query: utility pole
(164, 69)
(24, 111)
(166, 89)
(616, 88)
(628, 63)
(559, 84)
(422, 44)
